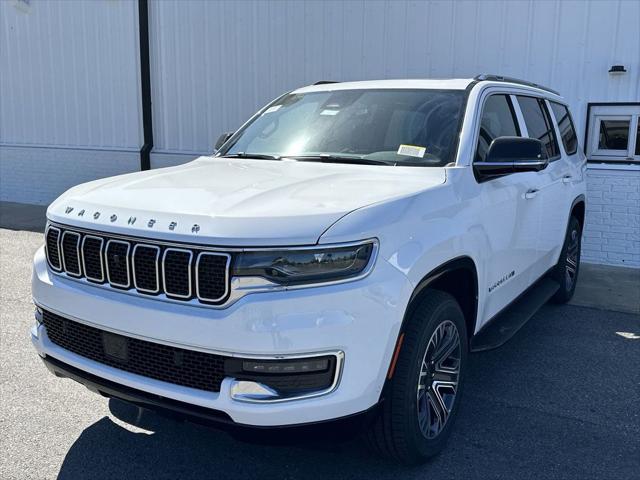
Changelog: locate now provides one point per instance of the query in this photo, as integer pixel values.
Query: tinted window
(497, 121)
(614, 135)
(565, 124)
(638, 139)
(358, 124)
(538, 123)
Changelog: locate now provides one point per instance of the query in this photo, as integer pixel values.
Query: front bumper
(360, 319)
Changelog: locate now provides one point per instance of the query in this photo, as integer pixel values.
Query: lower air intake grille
(203, 371)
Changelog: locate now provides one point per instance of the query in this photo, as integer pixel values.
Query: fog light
(286, 366)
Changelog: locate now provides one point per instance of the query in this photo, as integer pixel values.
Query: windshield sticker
(412, 150)
(329, 112)
(275, 108)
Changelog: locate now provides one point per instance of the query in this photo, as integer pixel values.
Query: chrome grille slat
(142, 279)
(195, 274)
(210, 265)
(53, 248)
(92, 259)
(70, 246)
(113, 262)
(174, 278)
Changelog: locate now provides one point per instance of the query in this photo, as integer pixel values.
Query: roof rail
(501, 78)
(324, 82)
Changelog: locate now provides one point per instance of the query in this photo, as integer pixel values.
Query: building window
(613, 133)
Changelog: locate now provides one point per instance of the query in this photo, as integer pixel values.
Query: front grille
(144, 266)
(92, 258)
(71, 253)
(53, 247)
(177, 272)
(179, 366)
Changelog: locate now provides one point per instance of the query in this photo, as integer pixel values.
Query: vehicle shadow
(532, 409)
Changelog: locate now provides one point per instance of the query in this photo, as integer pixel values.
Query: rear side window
(497, 120)
(565, 125)
(538, 123)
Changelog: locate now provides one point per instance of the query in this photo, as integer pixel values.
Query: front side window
(387, 126)
(565, 125)
(497, 120)
(538, 123)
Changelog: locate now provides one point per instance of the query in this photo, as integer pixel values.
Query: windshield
(395, 127)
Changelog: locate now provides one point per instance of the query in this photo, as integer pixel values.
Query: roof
(444, 84)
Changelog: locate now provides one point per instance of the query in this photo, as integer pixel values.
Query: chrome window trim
(61, 249)
(106, 262)
(164, 282)
(226, 276)
(46, 241)
(84, 268)
(133, 268)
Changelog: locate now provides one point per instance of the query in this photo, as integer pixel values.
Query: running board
(507, 323)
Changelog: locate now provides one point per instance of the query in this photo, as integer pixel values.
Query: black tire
(397, 431)
(566, 270)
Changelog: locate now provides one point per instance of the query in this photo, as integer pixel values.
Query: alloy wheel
(438, 379)
(573, 250)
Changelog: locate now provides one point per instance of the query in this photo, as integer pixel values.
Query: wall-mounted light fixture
(617, 70)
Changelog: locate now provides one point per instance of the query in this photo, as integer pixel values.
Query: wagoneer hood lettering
(236, 202)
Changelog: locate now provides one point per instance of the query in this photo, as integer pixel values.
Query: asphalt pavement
(560, 400)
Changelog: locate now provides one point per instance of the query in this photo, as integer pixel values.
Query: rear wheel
(421, 399)
(566, 270)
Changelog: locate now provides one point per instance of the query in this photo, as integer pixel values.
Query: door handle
(531, 194)
(566, 179)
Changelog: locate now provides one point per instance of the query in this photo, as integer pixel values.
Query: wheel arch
(459, 278)
(578, 209)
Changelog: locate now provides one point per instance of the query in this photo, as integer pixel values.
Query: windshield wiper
(326, 158)
(259, 156)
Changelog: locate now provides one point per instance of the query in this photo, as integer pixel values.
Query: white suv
(337, 258)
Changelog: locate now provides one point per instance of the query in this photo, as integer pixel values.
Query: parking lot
(560, 400)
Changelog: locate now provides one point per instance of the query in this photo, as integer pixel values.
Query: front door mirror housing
(512, 155)
(222, 140)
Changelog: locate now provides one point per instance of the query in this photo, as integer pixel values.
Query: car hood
(236, 202)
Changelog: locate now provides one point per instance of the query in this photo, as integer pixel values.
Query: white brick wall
(612, 232)
(39, 175)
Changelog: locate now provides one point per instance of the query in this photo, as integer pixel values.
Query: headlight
(306, 265)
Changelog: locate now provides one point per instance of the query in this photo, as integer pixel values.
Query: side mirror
(511, 155)
(222, 139)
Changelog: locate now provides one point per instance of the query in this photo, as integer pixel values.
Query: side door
(509, 218)
(551, 192)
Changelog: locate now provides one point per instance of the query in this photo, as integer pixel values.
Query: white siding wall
(612, 233)
(69, 95)
(235, 56)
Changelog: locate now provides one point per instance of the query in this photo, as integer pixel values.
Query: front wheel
(566, 270)
(421, 399)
